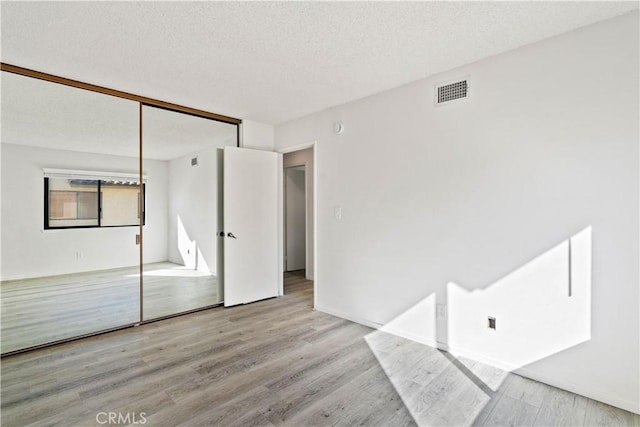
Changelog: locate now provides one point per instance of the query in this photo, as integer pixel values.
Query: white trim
(315, 223)
(460, 352)
(582, 390)
(307, 261)
(409, 336)
(579, 389)
(358, 320)
(381, 327)
(314, 226)
(297, 147)
(281, 225)
(80, 174)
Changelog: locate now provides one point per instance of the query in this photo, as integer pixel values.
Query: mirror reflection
(182, 154)
(72, 203)
(69, 190)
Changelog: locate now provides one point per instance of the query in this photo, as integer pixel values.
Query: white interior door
(251, 219)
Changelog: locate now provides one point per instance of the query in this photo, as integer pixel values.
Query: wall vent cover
(452, 91)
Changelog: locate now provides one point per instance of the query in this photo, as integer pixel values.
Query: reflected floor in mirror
(47, 309)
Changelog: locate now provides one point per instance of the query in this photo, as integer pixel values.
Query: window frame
(142, 210)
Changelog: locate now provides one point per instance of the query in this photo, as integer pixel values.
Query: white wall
(478, 198)
(30, 251)
(193, 210)
(259, 136)
(156, 236)
(305, 158)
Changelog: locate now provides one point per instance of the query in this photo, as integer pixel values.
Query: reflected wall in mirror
(181, 156)
(66, 282)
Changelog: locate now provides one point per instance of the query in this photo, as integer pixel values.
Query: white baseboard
(580, 389)
(410, 336)
(350, 318)
(460, 352)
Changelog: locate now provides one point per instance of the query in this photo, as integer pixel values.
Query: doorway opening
(295, 255)
(298, 227)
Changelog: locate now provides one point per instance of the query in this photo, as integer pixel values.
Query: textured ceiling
(274, 61)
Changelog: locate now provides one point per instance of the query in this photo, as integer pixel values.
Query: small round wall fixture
(338, 127)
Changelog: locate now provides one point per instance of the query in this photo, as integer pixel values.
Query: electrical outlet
(491, 323)
(337, 212)
(441, 310)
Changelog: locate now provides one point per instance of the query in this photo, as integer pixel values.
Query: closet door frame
(142, 101)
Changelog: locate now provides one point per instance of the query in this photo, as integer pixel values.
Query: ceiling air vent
(452, 91)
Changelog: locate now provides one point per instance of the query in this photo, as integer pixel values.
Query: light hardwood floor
(47, 309)
(275, 362)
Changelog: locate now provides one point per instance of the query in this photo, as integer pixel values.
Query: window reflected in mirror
(72, 233)
(70, 262)
(81, 202)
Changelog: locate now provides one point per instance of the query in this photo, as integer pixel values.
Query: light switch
(337, 212)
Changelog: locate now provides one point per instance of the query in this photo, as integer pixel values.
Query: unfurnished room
(320, 213)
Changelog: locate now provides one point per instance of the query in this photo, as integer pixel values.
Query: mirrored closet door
(72, 203)
(183, 163)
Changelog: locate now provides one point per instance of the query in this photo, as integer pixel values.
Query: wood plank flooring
(271, 363)
(47, 309)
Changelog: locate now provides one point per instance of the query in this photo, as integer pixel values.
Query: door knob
(231, 235)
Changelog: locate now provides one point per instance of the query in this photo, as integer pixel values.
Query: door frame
(314, 195)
